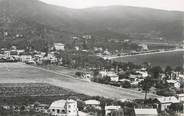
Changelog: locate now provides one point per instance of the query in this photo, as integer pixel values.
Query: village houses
(64, 108)
(113, 76)
(165, 102)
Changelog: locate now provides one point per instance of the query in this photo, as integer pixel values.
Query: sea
(172, 59)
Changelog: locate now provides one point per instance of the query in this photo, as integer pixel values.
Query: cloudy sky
(158, 4)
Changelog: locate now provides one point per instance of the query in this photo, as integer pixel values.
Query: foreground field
(22, 73)
(29, 93)
(32, 89)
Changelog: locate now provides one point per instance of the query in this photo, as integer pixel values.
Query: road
(142, 54)
(22, 73)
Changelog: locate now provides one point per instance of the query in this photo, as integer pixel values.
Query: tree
(166, 92)
(179, 69)
(175, 107)
(125, 84)
(95, 72)
(168, 71)
(155, 73)
(146, 85)
(80, 105)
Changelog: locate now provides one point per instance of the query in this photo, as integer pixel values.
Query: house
(123, 80)
(146, 112)
(41, 108)
(180, 76)
(6, 107)
(64, 108)
(106, 52)
(114, 111)
(144, 47)
(87, 36)
(87, 76)
(84, 114)
(113, 76)
(93, 103)
(78, 43)
(165, 102)
(20, 52)
(174, 83)
(26, 58)
(77, 48)
(59, 46)
(52, 58)
(134, 77)
(180, 97)
(103, 73)
(144, 74)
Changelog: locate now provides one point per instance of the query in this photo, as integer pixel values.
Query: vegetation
(146, 85)
(34, 89)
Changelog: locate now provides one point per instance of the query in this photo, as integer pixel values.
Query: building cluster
(68, 107)
(93, 107)
(118, 76)
(34, 57)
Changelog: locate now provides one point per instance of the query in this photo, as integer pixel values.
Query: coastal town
(165, 86)
(91, 58)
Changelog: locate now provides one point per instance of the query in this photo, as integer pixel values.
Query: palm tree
(146, 85)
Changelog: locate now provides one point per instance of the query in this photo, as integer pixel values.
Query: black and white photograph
(91, 57)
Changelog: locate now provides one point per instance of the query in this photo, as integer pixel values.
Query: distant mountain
(35, 19)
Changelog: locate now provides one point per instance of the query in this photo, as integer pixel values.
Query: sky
(157, 4)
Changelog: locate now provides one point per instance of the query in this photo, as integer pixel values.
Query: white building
(59, 46)
(26, 58)
(165, 102)
(174, 83)
(93, 103)
(144, 46)
(180, 97)
(64, 108)
(106, 52)
(143, 73)
(113, 76)
(146, 112)
(109, 110)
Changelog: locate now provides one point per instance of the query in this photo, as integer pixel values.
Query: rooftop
(146, 111)
(171, 99)
(92, 102)
(112, 107)
(58, 104)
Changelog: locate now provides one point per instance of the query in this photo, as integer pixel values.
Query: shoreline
(142, 54)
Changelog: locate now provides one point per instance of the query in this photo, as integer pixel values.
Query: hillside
(33, 19)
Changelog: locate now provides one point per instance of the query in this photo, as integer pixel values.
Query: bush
(166, 92)
(125, 84)
(79, 74)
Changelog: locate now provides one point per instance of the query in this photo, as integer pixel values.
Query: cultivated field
(32, 89)
(22, 73)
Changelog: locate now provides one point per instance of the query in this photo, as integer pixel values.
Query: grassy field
(22, 73)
